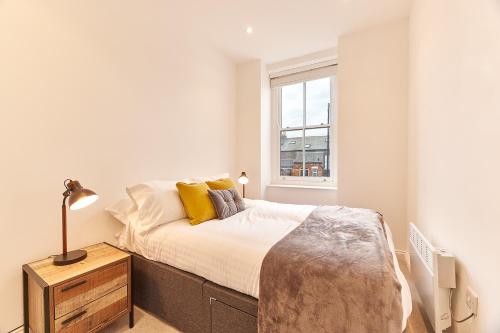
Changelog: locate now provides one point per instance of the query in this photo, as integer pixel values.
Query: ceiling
(284, 29)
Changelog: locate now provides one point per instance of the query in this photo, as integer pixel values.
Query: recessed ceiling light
(249, 30)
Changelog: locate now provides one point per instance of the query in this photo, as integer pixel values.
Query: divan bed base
(189, 302)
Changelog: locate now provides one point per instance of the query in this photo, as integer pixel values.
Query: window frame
(276, 177)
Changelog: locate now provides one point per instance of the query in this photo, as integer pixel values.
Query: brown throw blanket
(334, 273)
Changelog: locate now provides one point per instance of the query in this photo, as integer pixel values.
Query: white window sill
(311, 187)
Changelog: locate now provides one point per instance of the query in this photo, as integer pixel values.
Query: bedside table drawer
(95, 314)
(78, 292)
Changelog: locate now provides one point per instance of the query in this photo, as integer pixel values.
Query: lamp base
(70, 258)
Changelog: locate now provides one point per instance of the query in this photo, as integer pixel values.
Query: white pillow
(158, 202)
(122, 209)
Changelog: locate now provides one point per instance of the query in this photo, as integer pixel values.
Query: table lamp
(78, 197)
(243, 180)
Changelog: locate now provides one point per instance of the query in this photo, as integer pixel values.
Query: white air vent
(422, 247)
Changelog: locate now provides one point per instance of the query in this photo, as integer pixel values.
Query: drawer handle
(70, 319)
(73, 285)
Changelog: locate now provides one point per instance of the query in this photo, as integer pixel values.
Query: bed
(205, 278)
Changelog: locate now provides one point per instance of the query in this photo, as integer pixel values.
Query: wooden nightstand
(82, 297)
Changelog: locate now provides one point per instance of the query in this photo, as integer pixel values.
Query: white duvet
(230, 252)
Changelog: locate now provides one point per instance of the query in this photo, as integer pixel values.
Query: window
(305, 127)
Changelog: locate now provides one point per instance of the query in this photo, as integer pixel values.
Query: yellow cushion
(197, 203)
(221, 184)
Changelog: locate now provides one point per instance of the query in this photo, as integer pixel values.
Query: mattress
(230, 252)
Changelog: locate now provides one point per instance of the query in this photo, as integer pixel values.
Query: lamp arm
(65, 196)
(64, 231)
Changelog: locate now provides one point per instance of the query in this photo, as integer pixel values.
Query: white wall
(265, 133)
(372, 117)
(253, 135)
(302, 195)
(454, 138)
(106, 101)
(248, 135)
(372, 127)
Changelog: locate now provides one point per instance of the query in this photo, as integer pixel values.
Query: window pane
(292, 105)
(317, 101)
(291, 153)
(317, 150)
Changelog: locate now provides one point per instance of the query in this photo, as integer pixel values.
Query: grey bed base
(189, 302)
